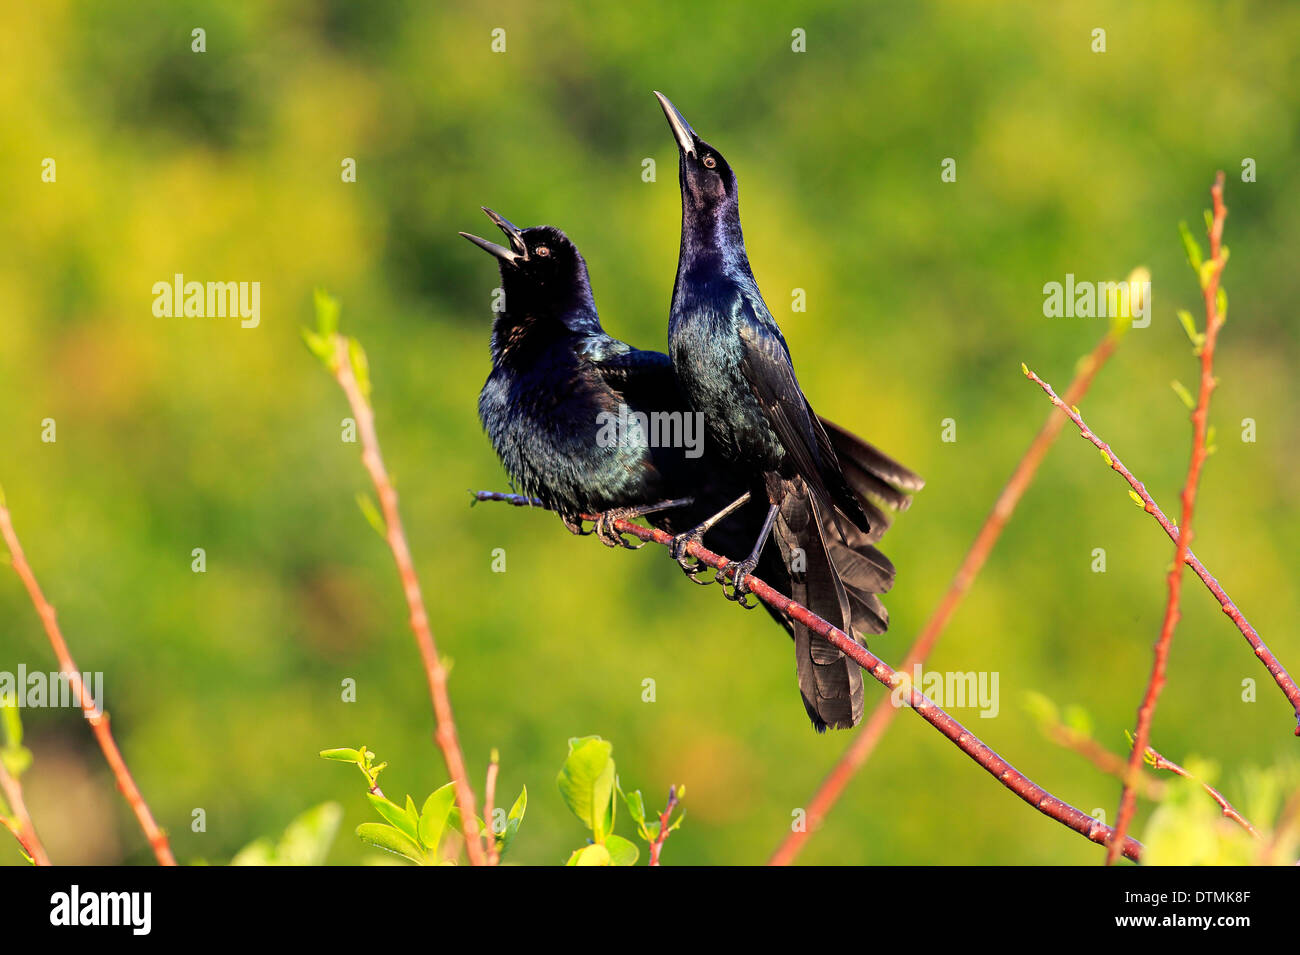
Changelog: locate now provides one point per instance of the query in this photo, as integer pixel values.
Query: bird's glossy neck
(711, 235)
(537, 313)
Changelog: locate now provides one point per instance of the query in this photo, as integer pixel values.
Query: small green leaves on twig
(418, 835)
(322, 341)
(1186, 396)
(589, 785)
(363, 759)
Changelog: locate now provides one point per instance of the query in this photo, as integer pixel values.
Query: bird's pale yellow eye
(543, 251)
(709, 162)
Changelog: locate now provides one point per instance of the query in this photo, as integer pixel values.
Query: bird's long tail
(836, 571)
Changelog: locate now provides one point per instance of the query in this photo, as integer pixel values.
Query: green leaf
(1207, 272)
(371, 514)
(343, 755)
(306, 840)
(407, 820)
(433, 818)
(636, 809)
(454, 819)
(318, 346)
(621, 851)
(391, 840)
(513, 821)
(360, 366)
(635, 806)
(1077, 719)
(1184, 394)
(1196, 337)
(13, 724)
(1191, 246)
(594, 854)
(1221, 303)
(586, 783)
(327, 313)
(1042, 709)
(17, 760)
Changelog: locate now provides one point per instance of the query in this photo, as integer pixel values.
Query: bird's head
(542, 272)
(708, 183)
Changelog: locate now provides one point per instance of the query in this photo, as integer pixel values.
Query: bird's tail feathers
(829, 682)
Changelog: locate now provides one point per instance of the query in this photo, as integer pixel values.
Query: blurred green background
(923, 299)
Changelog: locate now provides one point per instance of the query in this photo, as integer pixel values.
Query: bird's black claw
(574, 525)
(691, 567)
(738, 571)
(608, 535)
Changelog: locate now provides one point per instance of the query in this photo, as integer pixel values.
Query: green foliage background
(923, 299)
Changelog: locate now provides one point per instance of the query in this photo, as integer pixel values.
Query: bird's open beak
(519, 253)
(681, 129)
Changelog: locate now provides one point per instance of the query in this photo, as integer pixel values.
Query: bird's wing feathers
(766, 365)
(642, 378)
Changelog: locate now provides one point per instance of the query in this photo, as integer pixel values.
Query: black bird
(559, 383)
(734, 366)
(555, 372)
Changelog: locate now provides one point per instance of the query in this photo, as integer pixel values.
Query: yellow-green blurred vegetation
(923, 299)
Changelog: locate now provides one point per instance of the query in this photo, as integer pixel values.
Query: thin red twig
(966, 741)
(1275, 668)
(1159, 762)
(99, 722)
(19, 823)
(435, 672)
(866, 740)
(657, 846)
(1200, 420)
(1112, 764)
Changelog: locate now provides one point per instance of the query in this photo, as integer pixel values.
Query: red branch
(866, 740)
(966, 741)
(94, 715)
(20, 825)
(1159, 762)
(1147, 710)
(657, 846)
(435, 672)
(1283, 679)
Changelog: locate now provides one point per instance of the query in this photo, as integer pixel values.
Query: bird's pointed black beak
(519, 253)
(686, 137)
(512, 231)
(500, 251)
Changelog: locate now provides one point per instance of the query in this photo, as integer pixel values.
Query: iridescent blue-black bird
(558, 380)
(734, 365)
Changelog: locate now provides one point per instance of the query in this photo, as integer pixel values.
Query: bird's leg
(604, 527)
(696, 534)
(739, 570)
